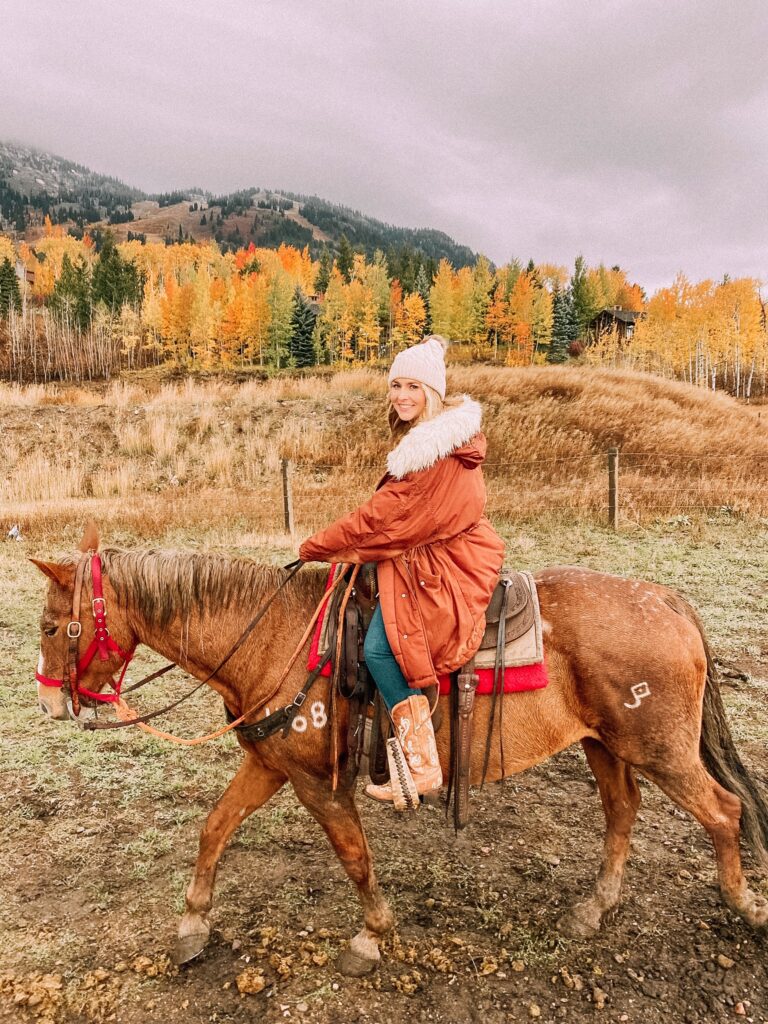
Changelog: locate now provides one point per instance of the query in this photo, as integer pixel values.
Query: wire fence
(609, 487)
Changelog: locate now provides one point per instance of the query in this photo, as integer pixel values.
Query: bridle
(102, 642)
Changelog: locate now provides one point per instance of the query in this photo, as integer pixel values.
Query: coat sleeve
(401, 515)
(393, 520)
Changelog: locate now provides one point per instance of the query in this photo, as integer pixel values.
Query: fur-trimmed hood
(427, 443)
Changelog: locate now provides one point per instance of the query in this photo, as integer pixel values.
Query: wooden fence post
(613, 488)
(287, 471)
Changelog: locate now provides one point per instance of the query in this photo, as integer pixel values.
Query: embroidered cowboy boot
(413, 727)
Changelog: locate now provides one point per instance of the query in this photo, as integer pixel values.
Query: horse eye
(52, 631)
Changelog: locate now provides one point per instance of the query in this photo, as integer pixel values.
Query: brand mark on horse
(317, 716)
(638, 691)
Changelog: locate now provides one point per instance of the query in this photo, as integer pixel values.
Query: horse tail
(718, 750)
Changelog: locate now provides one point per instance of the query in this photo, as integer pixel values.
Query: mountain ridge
(35, 184)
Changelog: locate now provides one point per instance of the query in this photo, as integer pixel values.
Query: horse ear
(90, 541)
(64, 575)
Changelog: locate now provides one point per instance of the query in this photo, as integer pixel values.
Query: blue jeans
(382, 664)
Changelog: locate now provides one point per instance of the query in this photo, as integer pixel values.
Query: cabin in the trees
(622, 321)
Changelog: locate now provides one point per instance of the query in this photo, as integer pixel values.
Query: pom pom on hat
(424, 362)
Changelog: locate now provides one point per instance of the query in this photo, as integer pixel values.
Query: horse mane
(165, 584)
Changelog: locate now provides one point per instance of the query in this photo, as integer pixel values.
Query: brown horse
(631, 679)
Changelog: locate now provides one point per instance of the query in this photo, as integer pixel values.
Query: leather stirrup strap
(499, 672)
(333, 724)
(466, 684)
(498, 679)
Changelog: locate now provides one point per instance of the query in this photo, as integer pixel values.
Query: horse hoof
(575, 926)
(189, 947)
(352, 965)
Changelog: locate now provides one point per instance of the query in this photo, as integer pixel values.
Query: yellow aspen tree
(257, 317)
(553, 275)
(308, 269)
(359, 267)
(280, 294)
(541, 322)
(355, 298)
(202, 322)
(7, 250)
(441, 300)
(369, 329)
(151, 318)
(395, 316)
(413, 318)
(497, 319)
(329, 322)
(232, 329)
(462, 313)
(49, 253)
(377, 279)
(482, 284)
(521, 300)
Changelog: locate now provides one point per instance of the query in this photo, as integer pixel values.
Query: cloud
(634, 133)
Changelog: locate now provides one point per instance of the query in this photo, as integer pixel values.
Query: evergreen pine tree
(10, 293)
(422, 286)
(561, 326)
(583, 298)
(324, 272)
(573, 327)
(72, 292)
(115, 280)
(345, 258)
(408, 258)
(302, 348)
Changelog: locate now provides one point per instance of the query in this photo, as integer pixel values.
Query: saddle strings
(332, 711)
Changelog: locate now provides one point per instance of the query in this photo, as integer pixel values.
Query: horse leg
(338, 817)
(719, 811)
(620, 796)
(251, 787)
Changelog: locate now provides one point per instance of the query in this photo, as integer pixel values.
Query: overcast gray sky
(633, 132)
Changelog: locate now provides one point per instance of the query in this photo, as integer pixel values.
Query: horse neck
(200, 638)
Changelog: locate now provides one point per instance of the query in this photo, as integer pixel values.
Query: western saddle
(512, 637)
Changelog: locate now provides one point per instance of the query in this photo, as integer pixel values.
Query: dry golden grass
(209, 451)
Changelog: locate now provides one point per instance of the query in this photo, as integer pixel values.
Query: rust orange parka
(438, 556)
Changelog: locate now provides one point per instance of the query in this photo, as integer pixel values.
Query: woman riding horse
(438, 557)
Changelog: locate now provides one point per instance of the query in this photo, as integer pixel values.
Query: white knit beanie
(424, 362)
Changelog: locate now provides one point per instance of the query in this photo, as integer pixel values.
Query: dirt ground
(477, 913)
(99, 838)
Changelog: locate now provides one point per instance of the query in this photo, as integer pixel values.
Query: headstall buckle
(74, 629)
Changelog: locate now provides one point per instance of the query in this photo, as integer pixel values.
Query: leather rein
(105, 646)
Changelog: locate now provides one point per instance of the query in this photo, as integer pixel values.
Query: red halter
(102, 642)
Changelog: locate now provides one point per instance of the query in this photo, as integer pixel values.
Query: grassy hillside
(209, 451)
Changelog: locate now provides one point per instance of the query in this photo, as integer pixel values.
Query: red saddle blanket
(517, 679)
